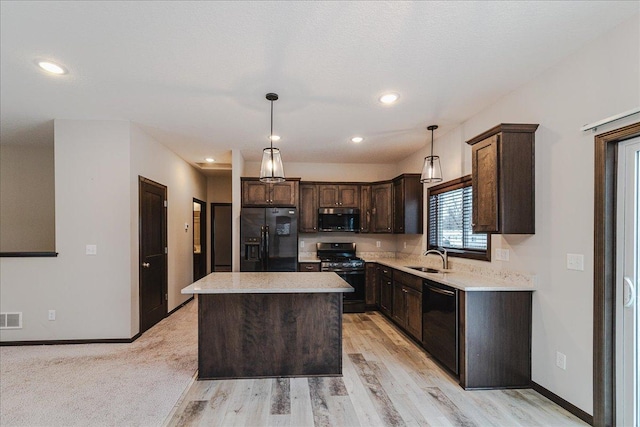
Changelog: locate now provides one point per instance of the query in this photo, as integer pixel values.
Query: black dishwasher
(440, 323)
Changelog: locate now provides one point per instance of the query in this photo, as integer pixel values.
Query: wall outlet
(405, 245)
(502, 254)
(302, 243)
(575, 262)
(52, 315)
(91, 250)
(561, 360)
(377, 243)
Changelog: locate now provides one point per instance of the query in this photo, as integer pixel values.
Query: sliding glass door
(627, 330)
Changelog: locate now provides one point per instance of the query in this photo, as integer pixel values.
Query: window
(449, 223)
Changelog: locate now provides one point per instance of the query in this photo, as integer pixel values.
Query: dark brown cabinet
(365, 208)
(385, 284)
(372, 294)
(407, 303)
(340, 195)
(308, 215)
(260, 194)
(382, 209)
(407, 204)
(503, 175)
(309, 266)
(495, 339)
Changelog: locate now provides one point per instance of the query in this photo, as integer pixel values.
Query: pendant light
(271, 169)
(431, 170)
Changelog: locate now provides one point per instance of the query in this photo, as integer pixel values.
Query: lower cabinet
(495, 339)
(407, 303)
(308, 266)
(372, 292)
(384, 277)
(491, 330)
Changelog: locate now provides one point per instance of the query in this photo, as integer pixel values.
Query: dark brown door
(153, 256)
(220, 236)
(308, 222)
(485, 185)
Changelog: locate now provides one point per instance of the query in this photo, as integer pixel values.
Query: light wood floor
(387, 381)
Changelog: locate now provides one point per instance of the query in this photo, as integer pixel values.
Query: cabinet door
(381, 212)
(485, 185)
(284, 194)
(349, 196)
(309, 266)
(398, 206)
(386, 293)
(328, 196)
(365, 208)
(370, 284)
(399, 304)
(255, 193)
(414, 312)
(308, 220)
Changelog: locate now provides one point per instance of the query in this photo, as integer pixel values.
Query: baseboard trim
(86, 341)
(563, 403)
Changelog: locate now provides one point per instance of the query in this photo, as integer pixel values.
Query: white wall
(154, 161)
(97, 164)
(27, 202)
(237, 171)
(598, 81)
(89, 293)
(346, 172)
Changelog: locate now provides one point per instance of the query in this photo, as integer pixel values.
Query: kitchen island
(268, 324)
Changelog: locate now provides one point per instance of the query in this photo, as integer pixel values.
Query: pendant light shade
(431, 170)
(271, 169)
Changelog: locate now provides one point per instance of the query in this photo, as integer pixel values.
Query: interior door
(199, 230)
(153, 253)
(221, 237)
(628, 336)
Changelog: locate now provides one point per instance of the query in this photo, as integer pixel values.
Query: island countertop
(268, 283)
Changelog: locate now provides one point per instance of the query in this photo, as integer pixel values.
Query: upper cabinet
(381, 208)
(407, 204)
(503, 179)
(343, 195)
(308, 216)
(365, 208)
(260, 194)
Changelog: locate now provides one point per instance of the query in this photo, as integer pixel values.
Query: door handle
(629, 293)
(145, 265)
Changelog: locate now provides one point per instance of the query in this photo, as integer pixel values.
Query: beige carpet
(135, 384)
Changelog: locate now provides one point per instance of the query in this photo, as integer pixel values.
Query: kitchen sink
(426, 269)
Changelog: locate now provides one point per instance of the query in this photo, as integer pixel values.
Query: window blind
(450, 221)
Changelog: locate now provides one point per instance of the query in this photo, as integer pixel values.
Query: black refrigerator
(269, 239)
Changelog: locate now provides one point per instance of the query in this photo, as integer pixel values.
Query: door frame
(203, 235)
(212, 234)
(604, 272)
(165, 283)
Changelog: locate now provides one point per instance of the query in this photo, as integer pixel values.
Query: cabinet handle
(146, 265)
(309, 267)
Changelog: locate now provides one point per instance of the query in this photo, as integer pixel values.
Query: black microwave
(339, 219)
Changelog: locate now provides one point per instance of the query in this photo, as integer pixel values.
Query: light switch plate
(91, 250)
(502, 254)
(575, 262)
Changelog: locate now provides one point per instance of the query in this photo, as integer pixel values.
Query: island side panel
(269, 335)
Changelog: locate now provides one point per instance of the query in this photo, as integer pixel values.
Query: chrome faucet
(443, 255)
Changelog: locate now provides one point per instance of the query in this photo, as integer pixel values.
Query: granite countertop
(308, 259)
(268, 283)
(459, 280)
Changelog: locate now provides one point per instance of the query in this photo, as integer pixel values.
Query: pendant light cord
(271, 140)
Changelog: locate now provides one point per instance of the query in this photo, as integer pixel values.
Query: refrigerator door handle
(266, 248)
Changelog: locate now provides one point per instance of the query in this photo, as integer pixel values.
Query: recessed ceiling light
(275, 138)
(52, 68)
(357, 139)
(210, 159)
(389, 98)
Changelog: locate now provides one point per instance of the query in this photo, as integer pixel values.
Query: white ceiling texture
(194, 74)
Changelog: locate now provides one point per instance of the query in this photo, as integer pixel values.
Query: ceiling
(194, 74)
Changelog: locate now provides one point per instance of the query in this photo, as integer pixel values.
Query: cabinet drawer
(309, 266)
(408, 280)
